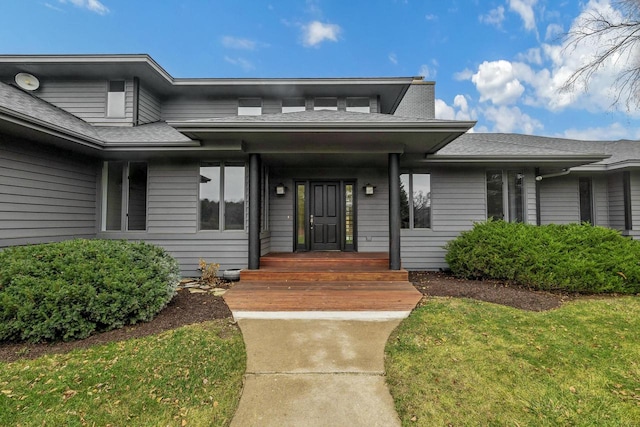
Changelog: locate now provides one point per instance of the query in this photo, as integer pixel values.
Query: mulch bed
(441, 284)
(187, 308)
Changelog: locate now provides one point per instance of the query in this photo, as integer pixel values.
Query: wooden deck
(323, 281)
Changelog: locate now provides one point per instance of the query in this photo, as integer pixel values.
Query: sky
(498, 62)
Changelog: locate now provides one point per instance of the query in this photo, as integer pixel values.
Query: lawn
(466, 362)
(191, 376)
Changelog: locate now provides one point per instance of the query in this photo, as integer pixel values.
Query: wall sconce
(368, 189)
(280, 189)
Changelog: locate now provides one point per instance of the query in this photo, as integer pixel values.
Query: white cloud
(497, 82)
(511, 119)
(231, 42)
(243, 63)
(612, 132)
(431, 17)
(428, 72)
(553, 31)
(92, 5)
(459, 111)
(532, 56)
(316, 32)
(524, 8)
(393, 58)
(494, 17)
(465, 74)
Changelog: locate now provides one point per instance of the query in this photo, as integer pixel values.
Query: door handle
(311, 220)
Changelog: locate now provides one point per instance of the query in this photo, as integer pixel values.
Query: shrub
(574, 257)
(68, 290)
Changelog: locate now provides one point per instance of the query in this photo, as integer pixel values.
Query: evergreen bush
(573, 257)
(68, 290)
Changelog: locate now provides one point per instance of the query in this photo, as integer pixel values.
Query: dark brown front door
(326, 216)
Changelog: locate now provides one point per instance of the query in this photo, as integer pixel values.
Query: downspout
(563, 172)
(537, 187)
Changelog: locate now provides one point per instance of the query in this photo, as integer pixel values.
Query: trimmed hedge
(68, 290)
(574, 257)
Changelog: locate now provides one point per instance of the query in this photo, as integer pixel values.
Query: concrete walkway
(315, 373)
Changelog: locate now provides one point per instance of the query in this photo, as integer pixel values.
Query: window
(358, 105)
(415, 200)
(586, 204)
(115, 99)
(249, 106)
(124, 204)
(511, 195)
(226, 183)
(292, 105)
(326, 104)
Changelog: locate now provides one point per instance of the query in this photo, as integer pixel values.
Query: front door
(325, 218)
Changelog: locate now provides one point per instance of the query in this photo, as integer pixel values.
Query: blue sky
(499, 62)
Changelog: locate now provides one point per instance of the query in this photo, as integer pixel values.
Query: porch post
(254, 211)
(394, 211)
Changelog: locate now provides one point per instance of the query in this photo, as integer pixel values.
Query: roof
(390, 89)
(321, 116)
(17, 104)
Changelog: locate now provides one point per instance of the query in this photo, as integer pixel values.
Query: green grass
(468, 362)
(189, 375)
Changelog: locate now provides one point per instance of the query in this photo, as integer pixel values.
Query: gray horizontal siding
(559, 200)
(149, 109)
(373, 211)
(616, 201)
(45, 194)
(600, 201)
(229, 249)
(176, 109)
(86, 99)
(458, 199)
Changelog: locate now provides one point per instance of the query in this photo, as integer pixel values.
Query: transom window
(226, 183)
(326, 104)
(249, 106)
(292, 105)
(415, 200)
(124, 200)
(505, 195)
(358, 105)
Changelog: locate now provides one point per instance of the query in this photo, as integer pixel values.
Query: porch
(331, 285)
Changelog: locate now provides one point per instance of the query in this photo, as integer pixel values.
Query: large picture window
(415, 200)
(124, 206)
(222, 195)
(505, 189)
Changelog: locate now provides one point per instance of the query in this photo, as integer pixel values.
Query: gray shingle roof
(18, 102)
(32, 107)
(152, 132)
(500, 144)
(320, 116)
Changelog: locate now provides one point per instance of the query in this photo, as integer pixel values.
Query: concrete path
(315, 373)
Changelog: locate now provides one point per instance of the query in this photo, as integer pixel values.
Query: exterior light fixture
(368, 189)
(280, 189)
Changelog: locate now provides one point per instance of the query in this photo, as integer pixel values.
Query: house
(112, 146)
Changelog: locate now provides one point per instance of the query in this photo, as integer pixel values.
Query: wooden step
(326, 275)
(323, 296)
(326, 260)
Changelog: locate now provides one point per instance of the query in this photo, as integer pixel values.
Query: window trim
(118, 111)
(293, 108)
(591, 200)
(329, 108)
(358, 109)
(410, 201)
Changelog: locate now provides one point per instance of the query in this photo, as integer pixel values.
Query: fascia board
(326, 126)
(509, 159)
